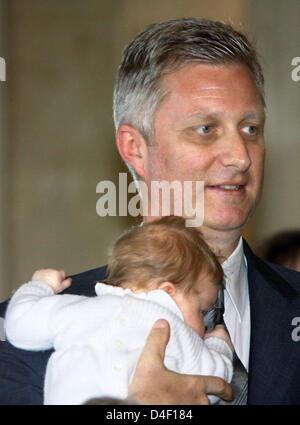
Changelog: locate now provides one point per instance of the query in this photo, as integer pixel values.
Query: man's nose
(235, 153)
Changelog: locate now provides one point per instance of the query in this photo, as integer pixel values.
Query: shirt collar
(156, 295)
(236, 285)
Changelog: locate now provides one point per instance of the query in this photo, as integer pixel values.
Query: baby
(162, 269)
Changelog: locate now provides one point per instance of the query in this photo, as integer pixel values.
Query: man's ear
(133, 148)
(168, 287)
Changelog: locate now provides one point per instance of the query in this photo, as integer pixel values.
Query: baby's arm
(31, 310)
(221, 349)
(211, 355)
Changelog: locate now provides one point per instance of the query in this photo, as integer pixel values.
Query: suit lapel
(270, 300)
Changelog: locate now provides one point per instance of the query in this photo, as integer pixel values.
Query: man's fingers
(155, 347)
(217, 386)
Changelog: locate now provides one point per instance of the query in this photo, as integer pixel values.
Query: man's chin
(226, 225)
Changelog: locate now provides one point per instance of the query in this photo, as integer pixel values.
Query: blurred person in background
(283, 249)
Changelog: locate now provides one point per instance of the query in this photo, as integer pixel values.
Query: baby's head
(167, 255)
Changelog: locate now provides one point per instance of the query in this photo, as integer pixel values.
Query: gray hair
(166, 47)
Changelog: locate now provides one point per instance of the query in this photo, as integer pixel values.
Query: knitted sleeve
(221, 355)
(30, 314)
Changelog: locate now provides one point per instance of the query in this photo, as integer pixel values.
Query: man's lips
(227, 187)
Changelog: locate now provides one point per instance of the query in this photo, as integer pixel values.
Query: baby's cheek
(201, 326)
(197, 324)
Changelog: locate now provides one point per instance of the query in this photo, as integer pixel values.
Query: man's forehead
(215, 87)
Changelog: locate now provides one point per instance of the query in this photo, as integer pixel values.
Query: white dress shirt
(237, 304)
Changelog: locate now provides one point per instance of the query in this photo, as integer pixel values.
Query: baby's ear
(168, 287)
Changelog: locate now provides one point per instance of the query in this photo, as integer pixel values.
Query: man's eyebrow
(211, 116)
(255, 115)
(203, 115)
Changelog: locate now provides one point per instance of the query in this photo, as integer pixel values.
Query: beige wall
(275, 24)
(4, 169)
(63, 57)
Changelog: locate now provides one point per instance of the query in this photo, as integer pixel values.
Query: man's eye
(204, 129)
(252, 130)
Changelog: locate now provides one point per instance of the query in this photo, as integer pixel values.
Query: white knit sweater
(98, 340)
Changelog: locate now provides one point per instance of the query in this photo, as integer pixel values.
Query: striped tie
(239, 380)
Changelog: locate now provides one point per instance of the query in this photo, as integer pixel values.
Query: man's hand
(54, 278)
(153, 383)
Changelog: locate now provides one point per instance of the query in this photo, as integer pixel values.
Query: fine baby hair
(162, 250)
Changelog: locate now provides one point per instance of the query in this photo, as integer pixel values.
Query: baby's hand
(54, 278)
(220, 332)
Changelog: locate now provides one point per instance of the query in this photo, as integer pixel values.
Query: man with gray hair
(189, 106)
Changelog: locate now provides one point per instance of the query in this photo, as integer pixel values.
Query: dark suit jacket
(274, 363)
